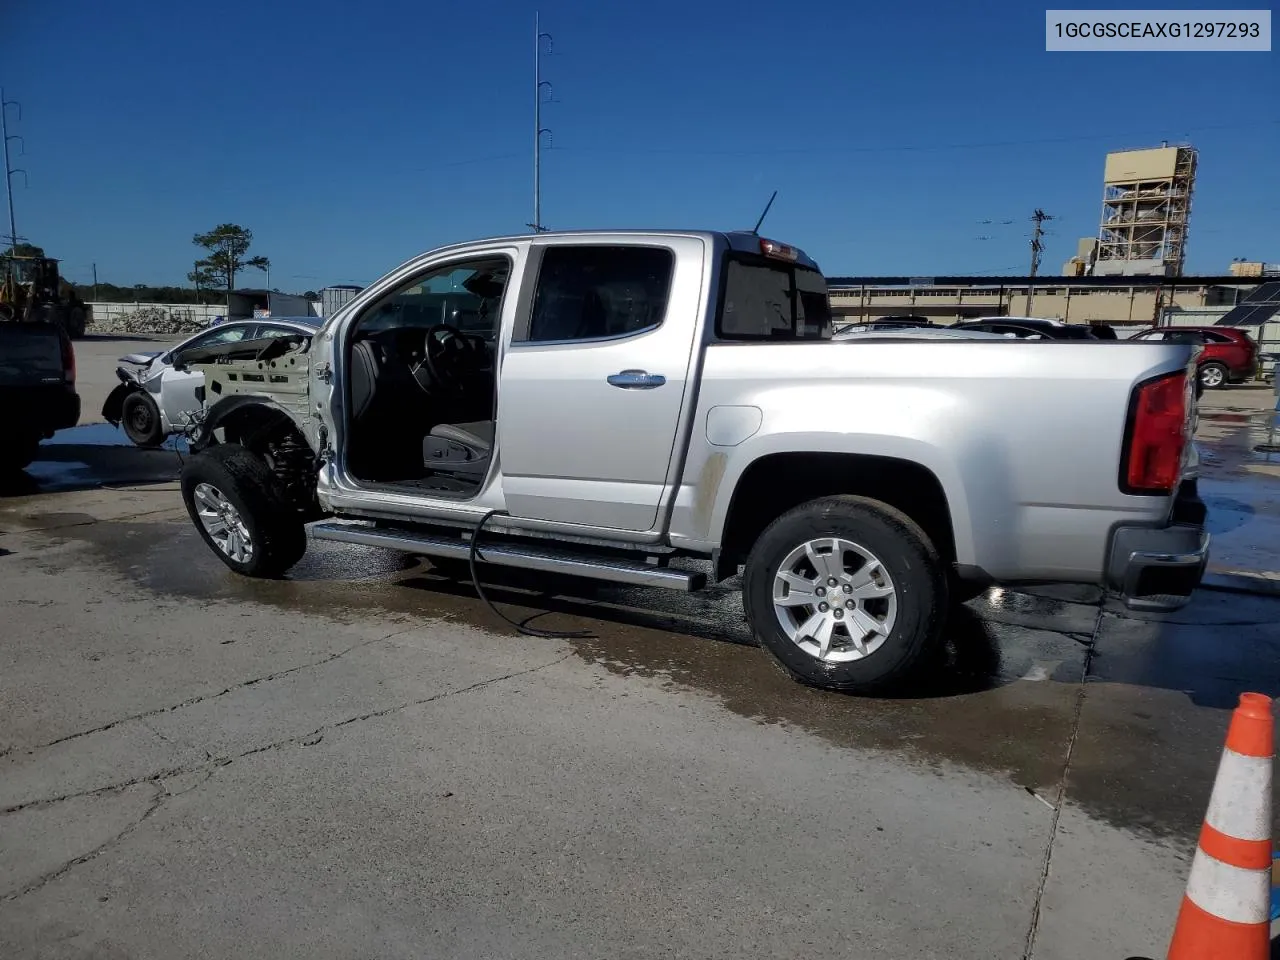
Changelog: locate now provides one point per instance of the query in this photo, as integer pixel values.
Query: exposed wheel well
(776, 483)
(270, 433)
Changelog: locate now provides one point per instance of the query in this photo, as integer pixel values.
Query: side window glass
(466, 296)
(585, 293)
(272, 332)
(229, 335)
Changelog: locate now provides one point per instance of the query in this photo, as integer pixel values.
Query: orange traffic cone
(1226, 911)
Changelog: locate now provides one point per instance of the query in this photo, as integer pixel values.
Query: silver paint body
(1024, 437)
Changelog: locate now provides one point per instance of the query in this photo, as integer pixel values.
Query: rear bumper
(1158, 568)
(40, 410)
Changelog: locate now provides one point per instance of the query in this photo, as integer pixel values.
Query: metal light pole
(1037, 248)
(538, 129)
(8, 170)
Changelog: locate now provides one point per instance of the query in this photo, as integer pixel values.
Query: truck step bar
(509, 554)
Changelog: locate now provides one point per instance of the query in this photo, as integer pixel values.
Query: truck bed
(982, 415)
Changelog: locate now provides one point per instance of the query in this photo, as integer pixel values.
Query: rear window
(764, 300)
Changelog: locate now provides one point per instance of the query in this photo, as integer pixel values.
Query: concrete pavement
(360, 760)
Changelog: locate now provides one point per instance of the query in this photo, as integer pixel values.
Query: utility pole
(539, 85)
(1037, 248)
(8, 170)
(95, 283)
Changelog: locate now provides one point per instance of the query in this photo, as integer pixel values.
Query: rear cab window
(772, 300)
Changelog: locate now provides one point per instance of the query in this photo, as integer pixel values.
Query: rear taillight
(1159, 419)
(68, 360)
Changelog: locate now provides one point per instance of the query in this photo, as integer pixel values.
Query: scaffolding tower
(1146, 209)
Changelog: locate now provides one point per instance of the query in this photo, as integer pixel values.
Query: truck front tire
(846, 593)
(236, 503)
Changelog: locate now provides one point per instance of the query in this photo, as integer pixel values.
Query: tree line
(226, 249)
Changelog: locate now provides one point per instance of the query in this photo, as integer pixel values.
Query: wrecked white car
(601, 403)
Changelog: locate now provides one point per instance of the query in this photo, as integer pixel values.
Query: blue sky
(352, 136)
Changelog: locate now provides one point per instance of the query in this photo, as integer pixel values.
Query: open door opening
(422, 384)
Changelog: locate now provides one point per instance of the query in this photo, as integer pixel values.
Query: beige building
(947, 300)
(1254, 268)
(1146, 211)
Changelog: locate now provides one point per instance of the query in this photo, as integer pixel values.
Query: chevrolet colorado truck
(608, 404)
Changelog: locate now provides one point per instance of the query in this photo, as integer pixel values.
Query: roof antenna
(755, 231)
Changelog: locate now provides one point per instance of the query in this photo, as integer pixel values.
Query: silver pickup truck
(608, 404)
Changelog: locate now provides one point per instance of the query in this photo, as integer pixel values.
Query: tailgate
(30, 355)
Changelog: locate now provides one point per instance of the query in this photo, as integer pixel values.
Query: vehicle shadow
(1226, 514)
(64, 466)
(130, 337)
(969, 661)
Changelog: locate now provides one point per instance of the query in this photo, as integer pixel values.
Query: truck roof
(742, 241)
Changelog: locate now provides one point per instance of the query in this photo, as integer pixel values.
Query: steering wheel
(448, 359)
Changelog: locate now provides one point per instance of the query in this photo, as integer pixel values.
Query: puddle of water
(92, 455)
(103, 435)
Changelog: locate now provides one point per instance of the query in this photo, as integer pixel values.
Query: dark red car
(1230, 355)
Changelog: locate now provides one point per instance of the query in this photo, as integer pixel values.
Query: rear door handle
(636, 380)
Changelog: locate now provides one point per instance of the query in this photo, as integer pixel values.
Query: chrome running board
(494, 550)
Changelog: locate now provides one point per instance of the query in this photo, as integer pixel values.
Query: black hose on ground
(473, 554)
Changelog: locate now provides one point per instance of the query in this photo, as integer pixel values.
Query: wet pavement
(360, 759)
(1240, 483)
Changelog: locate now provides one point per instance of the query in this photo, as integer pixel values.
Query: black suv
(1030, 328)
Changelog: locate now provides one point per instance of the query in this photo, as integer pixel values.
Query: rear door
(595, 378)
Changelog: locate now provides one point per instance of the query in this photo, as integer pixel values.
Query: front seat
(462, 450)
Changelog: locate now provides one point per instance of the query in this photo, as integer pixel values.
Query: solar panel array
(1257, 308)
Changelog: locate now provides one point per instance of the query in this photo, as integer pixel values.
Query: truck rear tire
(140, 417)
(16, 453)
(846, 593)
(237, 504)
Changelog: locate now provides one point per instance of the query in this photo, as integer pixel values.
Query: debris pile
(149, 319)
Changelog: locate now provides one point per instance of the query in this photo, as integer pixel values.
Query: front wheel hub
(835, 600)
(223, 523)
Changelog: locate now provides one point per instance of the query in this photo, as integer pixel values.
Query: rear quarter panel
(1024, 437)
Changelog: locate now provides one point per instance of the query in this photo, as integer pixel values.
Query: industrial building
(1110, 299)
(1146, 215)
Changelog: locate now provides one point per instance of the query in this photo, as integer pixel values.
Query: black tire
(908, 557)
(1212, 375)
(275, 528)
(16, 453)
(140, 417)
(962, 591)
(76, 323)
